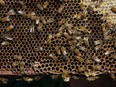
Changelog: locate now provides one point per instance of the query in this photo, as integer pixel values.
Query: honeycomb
(55, 37)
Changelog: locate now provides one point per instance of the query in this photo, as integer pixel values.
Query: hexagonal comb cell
(55, 36)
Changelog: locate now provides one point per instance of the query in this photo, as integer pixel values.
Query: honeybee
(109, 51)
(77, 52)
(6, 37)
(17, 57)
(90, 9)
(70, 31)
(14, 64)
(113, 55)
(113, 9)
(86, 40)
(35, 18)
(68, 25)
(30, 15)
(40, 6)
(9, 28)
(113, 76)
(72, 42)
(38, 20)
(83, 48)
(45, 4)
(92, 78)
(49, 38)
(11, 12)
(98, 42)
(63, 49)
(81, 69)
(3, 80)
(43, 20)
(32, 29)
(22, 13)
(96, 67)
(82, 6)
(57, 50)
(96, 59)
(21, 64)
(62, 21)
(88, 61)
(98, 47)
(36, 64)
(72, 47)
(2, 2)
(85, 30)
(104, 27)
(90, 73)
(5, 19)
(39, 27)
(67, 35)
(28, 79)
(58, 34)
(79, 16)
(75, 77)
(22, 4)
(53, 56)
(50, 20)
(78, 58)
(62, 28)
(38, 49)
(5, 43)
(74, 37)
(65, 76)
(61, 8)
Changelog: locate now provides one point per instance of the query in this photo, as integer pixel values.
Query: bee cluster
(55, 36)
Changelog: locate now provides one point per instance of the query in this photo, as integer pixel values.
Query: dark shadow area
(103, 81)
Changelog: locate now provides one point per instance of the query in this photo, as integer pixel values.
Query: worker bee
(98, 42)
(83, 48)
(65, 76)
(11, 12)
(52, 55)
(63, 49)
(45, 4)
(59, 34)
(70, 31)
(72, 48)
(92, 78)
(96, 59)
(78, 58)
(43, 20)
(62, 21)
(80, 15)
(5, 43)
(57, 50)
(22, 4)
(104, 27)
(49, 38)
(67, 35)
(22, 13)
(88, 61)
(28, 79)
(2, 2)
(96, 67)
(14, 64)
(68, 25)
(32, 29)
(72, 42)
(62, 28)
(6, 37)
(81, 69)
(9, 28)
(75, 37)
(85, 30)
(39, 27)
(38, 49)
(75, 77)
(21, 64)
(61, 8)
(40, 7)
(86, 40)
(82, 6)
(37, 20)
(3, 80)
(90, 9)
(113, 56)
(30, 15)
(98, 47)
(90, 73)
(17, 57)
(5, 19)
(51, 20)
(109, 51)
(113, 9)
(77, 52)
(113, 76)
(36, 64)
